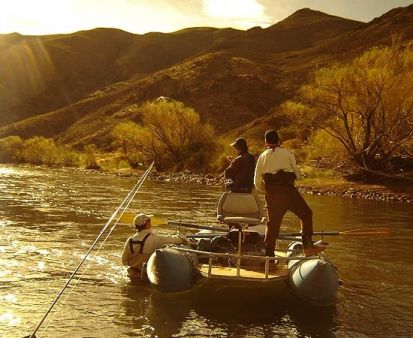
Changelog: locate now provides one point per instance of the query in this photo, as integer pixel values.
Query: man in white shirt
(140, 246)
(275, 173)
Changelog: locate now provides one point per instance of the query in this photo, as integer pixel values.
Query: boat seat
(239, 208)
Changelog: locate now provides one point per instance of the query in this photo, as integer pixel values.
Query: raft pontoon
(241, 262)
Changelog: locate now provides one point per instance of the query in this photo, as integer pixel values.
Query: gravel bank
(350, 190)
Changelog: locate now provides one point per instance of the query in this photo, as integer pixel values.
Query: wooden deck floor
(251, 273)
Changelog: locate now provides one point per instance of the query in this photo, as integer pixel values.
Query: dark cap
(271, 137)
(240, 143)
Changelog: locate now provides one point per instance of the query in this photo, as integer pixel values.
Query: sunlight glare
(233, 8)
(7, 171)
(17, 13)
(10, 298)
(9, 319)
(67, 16)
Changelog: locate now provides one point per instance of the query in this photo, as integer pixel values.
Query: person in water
(140, 246)
(240, 172)
(275, 174)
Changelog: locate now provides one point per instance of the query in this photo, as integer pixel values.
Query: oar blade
(128, 218)
(159, 221)
(365, 232)
(353, 232)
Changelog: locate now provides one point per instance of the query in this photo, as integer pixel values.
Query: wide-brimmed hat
(239, 143)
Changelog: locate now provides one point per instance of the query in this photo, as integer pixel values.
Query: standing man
(140, 246)
(275, 174)
(241, 170)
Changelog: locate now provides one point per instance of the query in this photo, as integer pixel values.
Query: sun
(27, 16)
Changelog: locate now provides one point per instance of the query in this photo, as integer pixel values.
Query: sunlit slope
(234, 79)
(43, 73)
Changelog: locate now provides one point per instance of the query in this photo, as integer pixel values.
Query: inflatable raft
(238, 258)
(312, 279)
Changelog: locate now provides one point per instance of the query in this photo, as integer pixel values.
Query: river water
(50, 217)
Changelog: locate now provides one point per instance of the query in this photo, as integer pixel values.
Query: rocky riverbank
(339, 188)
(377, 193)
(326, 187)
(188, 177)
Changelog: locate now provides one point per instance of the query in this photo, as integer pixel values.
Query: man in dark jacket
(240, 172)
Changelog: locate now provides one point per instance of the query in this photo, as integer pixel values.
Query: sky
(41, 17)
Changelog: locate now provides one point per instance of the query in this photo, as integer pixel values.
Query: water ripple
(50, 217)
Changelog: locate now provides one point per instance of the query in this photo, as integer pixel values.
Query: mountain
(377, 32)
(76, 87)
(43, 73)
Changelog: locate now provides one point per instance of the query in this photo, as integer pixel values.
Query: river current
(50, 217)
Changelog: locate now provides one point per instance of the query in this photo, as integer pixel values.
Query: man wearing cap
(241, 170)
(275, 174)
(140, 246)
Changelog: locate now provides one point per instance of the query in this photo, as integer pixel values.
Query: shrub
(90, 153)
(171, 134)
(296, 145)
(68, 157)
(366, 105)
(40, 150)
(10, 149)
(325, 150)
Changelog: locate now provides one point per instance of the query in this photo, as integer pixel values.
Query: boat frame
(245, 273)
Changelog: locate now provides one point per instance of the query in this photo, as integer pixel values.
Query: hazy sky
(141, 16)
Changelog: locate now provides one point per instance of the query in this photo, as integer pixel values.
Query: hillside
(234, 79)
(301, 30)
(39, 74)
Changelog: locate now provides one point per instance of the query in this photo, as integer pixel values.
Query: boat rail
(239, 257)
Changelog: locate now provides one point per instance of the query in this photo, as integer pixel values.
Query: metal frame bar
(239, 257)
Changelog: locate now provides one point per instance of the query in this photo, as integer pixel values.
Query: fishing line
(96, 252)
(127, 200)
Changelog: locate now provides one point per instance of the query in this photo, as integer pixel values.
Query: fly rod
(123, 205)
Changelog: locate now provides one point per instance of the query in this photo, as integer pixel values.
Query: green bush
(10, 149)
(201, 156)
(288, 133)
(36, 150)
(366, 105)
(68, 157)
(297, 146)
(90, 157)
(171, 134)
(325, 150)
(39, 150)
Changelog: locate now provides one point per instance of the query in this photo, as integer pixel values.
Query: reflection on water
(233, 313)
(50, 217)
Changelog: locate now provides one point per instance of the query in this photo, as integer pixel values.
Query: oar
(128, 217)
(295, 235)
(199, 226)
(214, 234)
(354, 232)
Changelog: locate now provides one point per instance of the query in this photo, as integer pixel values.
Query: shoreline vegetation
(338, 187)
(313, 186)
(350, 127)
(323, 184)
